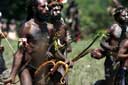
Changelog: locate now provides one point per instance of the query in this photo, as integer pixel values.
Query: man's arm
(24, 29)
(97, 53)
(17, 63)
(117, 3)
(122, 54)
(105, 44)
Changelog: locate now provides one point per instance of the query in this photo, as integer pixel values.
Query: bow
(56, 64)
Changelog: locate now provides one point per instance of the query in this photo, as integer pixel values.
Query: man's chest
(119, 31)
(38, 32)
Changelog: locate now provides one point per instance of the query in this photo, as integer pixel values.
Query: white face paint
(56, 10)
(0, 14)
(46, 6)
(124, 15)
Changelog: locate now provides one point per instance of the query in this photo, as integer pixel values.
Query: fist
(97, 53)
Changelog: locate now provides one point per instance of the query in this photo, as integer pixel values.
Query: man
(35, 36)
(73, 20)
(35, 40)
(111, 44)
(12, 30)
(60, 40)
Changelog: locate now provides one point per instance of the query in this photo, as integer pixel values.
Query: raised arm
(117, 3)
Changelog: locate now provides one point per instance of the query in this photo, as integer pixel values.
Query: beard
(123, 21)
(42, 17)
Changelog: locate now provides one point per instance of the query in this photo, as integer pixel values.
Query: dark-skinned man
(111, 44)
(35, 41)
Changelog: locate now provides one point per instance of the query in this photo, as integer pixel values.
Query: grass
(8, 51)
(87, 70)
(84, 72)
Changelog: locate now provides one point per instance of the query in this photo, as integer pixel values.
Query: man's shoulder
(114, 26)
(27, 24)
(25, 27)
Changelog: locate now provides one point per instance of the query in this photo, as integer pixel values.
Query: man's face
(42, 7)
(124, 15)
(56, 10)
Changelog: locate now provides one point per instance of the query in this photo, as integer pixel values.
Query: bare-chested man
(73, 20)
(36, 39)
(60, 40)
(113, 44)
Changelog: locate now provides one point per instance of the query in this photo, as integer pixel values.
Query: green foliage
(17, 9)
(124, 3)
(94, 14)
(86, 70)
(8, 51)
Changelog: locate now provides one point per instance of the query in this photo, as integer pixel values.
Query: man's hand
(49, 54)
(69, 62)
(8, 81)
(96, 53)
